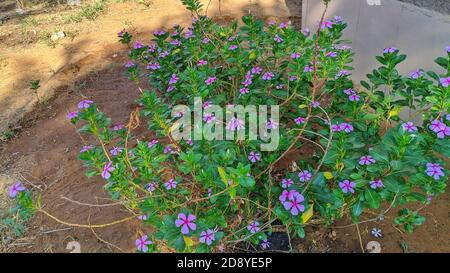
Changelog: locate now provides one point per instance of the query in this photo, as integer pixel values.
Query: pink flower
(254, 157)
(235, 124)
(208, 117)
(116, 150)
(202, 62)
(210, 80)
(304, 176)
(294, 205)
(152, 143)
(173, 79)
(253, 227)
(243, 90)
(72, 115)
(142, 243)
(14, 190)
(376, 184)
(288, 195)
(233, 47)
(327, 24)
(286, 183)
(271, 124)
(268, 76)
(256, 70)
(85, 104)
(299, 120)
(153, 66)
(366, 160)
(85, 149)
(118, 127)
(347, 186)
(295, 55)
(138, 45)
(186, 222)
(278, 39)
(106, 174)
(207, 236)
(171, 184)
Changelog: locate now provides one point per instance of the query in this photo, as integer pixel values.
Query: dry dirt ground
(43, 153)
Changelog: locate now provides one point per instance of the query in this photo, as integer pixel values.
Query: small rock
(57, 35)
(20, 11)
(73, 2)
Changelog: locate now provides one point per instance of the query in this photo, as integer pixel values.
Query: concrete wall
(420, 33)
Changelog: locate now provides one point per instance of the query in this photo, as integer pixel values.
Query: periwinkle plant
(203, 196)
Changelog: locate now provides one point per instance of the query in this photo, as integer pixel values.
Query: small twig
(360, 239)
(57, 230)
(91, 205)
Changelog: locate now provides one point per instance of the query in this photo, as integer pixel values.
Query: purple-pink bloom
(107, 169)
(173, 79)
(151, 187)
(186, 223)
(14, 190)
(164, 54)
(327, 24)
(138, 45)
(254, 156)
(447, 49)
(299, 120)
(268, 76)
(331, 54)
(388, 50)
(315, 104)
(306, 31)
(265, 244)
(153, 66)
(118, 127)
(235, 124)
(278, 39)
(210, 80)
(283, 25)
(175, 42)
(366, 160)
(304, 176)
(253, 227)
(416, 74)
(142, 243)
(72, 115)
(445, 131)
(116, 150)
(152, 143)
(205, 40)
(349, 91)
(256, 70)
(342, 73)
(243, 90)
(85, 104)
(409, 127)
(143, 217)
(286, 183)
(207, 104)
(159, 32)
(337, 19)
(376, 184)
(207, 236)
(129, 64)
(295, 55)
(354, 97)
(294, 205)
(445, 81)
(347, 186)
(271, 124)
(293, 78)
(434, 170)
(201, 62)
(85, 148)
(308, 68)
(288, 195)
(168, 149)
(346, 127)
(170, 184)
(233, 47)
(208, 117)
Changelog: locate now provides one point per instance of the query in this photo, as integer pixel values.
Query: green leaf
(373, 198)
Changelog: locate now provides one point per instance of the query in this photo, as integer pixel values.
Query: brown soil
(44, 153)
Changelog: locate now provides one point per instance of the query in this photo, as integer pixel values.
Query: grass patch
(89, 12)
